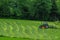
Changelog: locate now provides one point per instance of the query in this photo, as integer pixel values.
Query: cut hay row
(27, 29)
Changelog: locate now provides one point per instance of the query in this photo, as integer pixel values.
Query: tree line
(46, 10)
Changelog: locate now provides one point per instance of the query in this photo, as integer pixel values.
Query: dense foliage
(30, 9)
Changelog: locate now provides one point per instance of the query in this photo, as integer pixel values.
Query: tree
(54, 11)
(42, 9)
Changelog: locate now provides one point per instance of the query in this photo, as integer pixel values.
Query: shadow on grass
(2, 36)
(53, 27)
(26, 19)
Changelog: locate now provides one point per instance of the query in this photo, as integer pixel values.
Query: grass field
(27, 30)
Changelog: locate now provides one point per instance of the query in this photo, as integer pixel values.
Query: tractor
(46, 26)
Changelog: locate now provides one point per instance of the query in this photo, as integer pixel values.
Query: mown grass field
(27, 30)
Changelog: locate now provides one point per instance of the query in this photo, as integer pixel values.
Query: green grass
(27, 29)
(10, 38)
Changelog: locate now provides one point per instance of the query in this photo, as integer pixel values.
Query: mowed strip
(27, 29)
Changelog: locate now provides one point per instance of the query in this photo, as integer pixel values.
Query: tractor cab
(44, 25)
